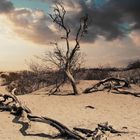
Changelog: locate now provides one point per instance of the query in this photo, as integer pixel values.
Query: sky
(26, 30)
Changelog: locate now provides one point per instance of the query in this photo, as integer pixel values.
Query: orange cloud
(31, 25)
(135, 36)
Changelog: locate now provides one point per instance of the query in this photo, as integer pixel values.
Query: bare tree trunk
(72, 80)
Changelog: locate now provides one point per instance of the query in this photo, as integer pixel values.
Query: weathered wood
(56, 88)
(64, 131)
(109, 83)
(126, 92)
(107, 127)
(17, 108)
(72, 81)
(99, 131)
(83, 130)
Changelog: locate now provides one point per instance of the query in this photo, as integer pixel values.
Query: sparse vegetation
(29, 81)
(133, 65)
(25, 81)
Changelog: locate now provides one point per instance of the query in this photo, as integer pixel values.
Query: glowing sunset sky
(26, 30)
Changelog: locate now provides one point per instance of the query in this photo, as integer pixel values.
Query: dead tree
(67, 59)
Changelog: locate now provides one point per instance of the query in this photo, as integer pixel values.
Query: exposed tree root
(100, 131)
(16, 108)
(108, 83)
(126, 92)
(64, 131)
(19, 110)
(114, 85)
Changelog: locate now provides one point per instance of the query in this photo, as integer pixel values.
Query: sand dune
(119, 110)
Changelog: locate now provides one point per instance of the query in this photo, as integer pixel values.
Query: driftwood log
(108, 83)
(115, 85)
(126, 92)
(16, 108)
(100, 131)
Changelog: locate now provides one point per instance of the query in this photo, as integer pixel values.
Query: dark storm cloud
(111, 19)
(5, 6)
(130, 8)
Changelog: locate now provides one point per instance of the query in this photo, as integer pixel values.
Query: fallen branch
(126, 92)
(108, 83)
(64, 131)
(16, 108)
(56, 88)
(99, 131)
(19, 110)
(114, 85)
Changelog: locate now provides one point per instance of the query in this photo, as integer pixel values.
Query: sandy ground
(119, 110)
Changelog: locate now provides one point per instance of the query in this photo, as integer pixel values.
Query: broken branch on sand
(114, 85)
(15, 107)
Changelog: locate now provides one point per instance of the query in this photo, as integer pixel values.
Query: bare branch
(58, 18)
(80, 33)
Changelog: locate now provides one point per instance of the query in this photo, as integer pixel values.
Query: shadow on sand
(25, 126)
